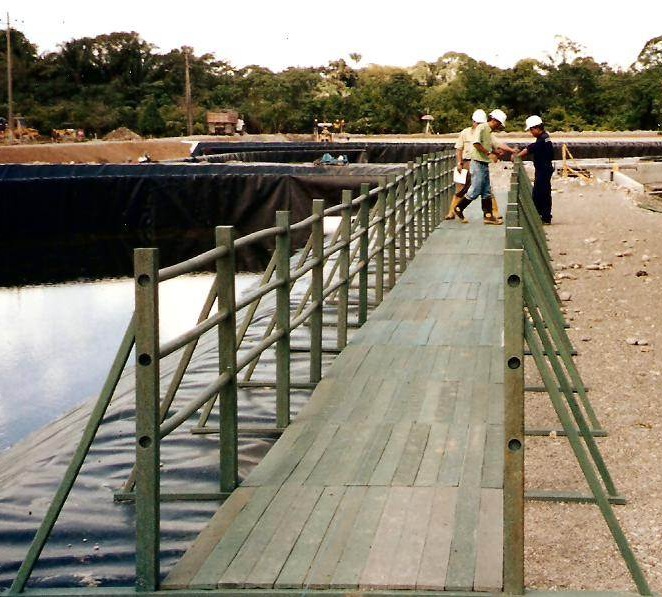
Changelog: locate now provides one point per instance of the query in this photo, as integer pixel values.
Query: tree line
(119, 79)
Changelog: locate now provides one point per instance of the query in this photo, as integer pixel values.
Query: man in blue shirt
(542, 153)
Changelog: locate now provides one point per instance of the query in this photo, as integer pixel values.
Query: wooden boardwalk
(392, 475)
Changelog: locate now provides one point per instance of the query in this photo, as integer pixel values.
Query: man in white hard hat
(464, 147)
(542, 151)
(486, 150)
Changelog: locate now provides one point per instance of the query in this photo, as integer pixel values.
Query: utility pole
(187, 83)
(10, 98)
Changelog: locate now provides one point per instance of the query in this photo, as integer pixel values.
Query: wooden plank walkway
(392, 475)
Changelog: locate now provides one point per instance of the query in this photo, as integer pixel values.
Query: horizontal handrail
(253, 237)
(302, 224)
(191, 265)
(193, 334)
(258, 293)
(259, 348)
(170, 424)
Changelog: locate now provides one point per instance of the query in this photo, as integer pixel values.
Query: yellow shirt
(465, 142)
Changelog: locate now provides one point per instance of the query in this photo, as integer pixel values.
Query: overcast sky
(311, 33)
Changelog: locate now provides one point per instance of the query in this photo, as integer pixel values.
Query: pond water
(59, 340)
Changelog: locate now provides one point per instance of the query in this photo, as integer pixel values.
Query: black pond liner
(66, 222)
(93, 541)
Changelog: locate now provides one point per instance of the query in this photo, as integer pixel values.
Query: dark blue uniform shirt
(542, 153)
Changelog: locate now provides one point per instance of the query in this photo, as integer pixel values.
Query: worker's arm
(503, 146)
(522, 154)
(458, 157)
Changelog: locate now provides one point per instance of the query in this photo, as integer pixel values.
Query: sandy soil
(609, 307)
(114, 152)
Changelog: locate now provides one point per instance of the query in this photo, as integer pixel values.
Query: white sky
(277, 34)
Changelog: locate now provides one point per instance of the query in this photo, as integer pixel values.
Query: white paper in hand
(460, 177)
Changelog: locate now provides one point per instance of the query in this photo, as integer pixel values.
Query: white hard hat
(479, 116)
(532, 121)
(499, 115)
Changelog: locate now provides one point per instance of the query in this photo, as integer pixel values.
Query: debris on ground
(122, 134)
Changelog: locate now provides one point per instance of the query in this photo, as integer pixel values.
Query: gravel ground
(607, 253)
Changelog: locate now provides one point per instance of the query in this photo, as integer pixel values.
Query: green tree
(150, 121)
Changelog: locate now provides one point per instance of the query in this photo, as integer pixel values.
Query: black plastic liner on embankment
(61, 222)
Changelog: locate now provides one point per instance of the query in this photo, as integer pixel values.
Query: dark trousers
(542, 194)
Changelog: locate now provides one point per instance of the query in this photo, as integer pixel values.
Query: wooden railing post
(343, 268)
(447, 190)
(380, 241)
(227, 361)
(364, 223)
(418, 184)
(425, 194)
(148, 497)
(391, 227)
(450, 187)
(402, 216)
(513, 484)
(411, 208)
(436, 187)
(283, 247)
(317, 289)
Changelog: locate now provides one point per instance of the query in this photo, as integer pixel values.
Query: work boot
(490, 219)
(459, 210)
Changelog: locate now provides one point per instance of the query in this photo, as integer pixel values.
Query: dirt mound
(122, 134)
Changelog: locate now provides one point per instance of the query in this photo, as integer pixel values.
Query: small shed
(222, 123)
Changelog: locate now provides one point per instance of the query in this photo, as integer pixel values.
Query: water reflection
(58, 342)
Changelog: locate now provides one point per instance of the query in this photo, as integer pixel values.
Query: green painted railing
(534, 318)
(382, 228)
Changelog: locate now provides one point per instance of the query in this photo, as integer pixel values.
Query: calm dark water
(58, 342)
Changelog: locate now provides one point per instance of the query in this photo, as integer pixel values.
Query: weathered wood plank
(385, 547)
(385, 469)
(261, 535)
(270, 563)
(223, 554)
(489, 553)
(308, 463)
(412, 455)
(428, 470)
(295, 570)
(404, 571)
(355, 555)
(335, 539)
(434, 561)
(183, 572)
(493, 459)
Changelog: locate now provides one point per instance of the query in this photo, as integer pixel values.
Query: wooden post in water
(364, 223)
(148, 514)
(283, 247)
(513, 484)
(316, 291)
(391, 226)
(227, 361)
